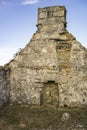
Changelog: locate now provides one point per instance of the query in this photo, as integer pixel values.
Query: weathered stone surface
(52, 68)
(4, 86)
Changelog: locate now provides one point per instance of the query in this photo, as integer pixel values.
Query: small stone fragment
(65, 117)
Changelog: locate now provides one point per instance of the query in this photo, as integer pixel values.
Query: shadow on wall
(4, 86)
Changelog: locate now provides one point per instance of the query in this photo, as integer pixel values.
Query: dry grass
(19, 117)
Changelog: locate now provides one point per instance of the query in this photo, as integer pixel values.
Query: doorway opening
(50, 94)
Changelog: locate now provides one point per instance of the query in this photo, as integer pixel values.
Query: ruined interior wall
(4, 86)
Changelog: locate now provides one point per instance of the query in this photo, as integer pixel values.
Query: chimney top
(52, 16)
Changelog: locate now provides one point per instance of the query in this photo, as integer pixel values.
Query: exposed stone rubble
(52, 68)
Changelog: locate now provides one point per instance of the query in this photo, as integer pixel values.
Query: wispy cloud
(28, 2)
(18, 2)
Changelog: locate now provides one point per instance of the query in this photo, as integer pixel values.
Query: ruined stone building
(51, 69)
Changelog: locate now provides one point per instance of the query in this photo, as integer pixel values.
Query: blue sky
(18, 19)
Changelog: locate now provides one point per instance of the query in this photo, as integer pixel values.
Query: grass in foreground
(23, 117)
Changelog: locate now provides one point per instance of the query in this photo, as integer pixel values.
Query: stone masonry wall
(52, 68)
(4, 86)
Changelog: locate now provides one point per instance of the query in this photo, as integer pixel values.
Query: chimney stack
(51, 19)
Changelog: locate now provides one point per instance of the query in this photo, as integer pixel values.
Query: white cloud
(27, 2)
(23, 2)
(6, 54)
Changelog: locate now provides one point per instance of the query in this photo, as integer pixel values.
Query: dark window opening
(65, 105)
(49, 14)
(51, 81)
(41, 99)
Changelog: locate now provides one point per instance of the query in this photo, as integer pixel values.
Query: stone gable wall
(52, 68)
